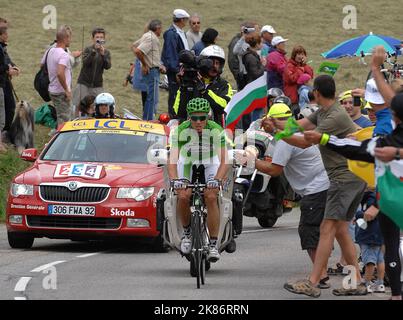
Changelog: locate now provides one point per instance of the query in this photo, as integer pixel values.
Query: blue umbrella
(363, 46)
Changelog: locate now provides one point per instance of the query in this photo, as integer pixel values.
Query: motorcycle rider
(198, 142)
(216, 90)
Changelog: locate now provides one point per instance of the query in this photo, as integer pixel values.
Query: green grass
(317, 25)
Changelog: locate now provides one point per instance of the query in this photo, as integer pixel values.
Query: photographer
(96, 58)
(201, 77)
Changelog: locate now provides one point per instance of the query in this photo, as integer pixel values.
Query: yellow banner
(113, 124)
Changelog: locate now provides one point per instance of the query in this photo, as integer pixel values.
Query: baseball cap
(268, 29)
(180, 14)
(277, 40)
(372, 94)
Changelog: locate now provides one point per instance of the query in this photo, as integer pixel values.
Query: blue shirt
(383, 122)
(198, 47)
(363, 122)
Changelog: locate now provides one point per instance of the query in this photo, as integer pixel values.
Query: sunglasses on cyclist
(198, 118)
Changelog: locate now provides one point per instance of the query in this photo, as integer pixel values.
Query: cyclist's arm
(224, 167)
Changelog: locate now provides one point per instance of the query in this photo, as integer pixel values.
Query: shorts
(62, 106)
(312, 212)
(343, 199)
(185, 169)
(371, 254)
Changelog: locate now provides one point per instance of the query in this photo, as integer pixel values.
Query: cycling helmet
(274, 93)
(198, 105)
(279, 110)
(283, 99)
(105, 99)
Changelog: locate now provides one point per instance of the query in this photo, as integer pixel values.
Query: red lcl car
(95, 179)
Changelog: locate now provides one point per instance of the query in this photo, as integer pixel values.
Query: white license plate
(71, 210)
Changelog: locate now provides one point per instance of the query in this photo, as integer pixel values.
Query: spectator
(209, 37)
(148, 52)
(194, 35)
(346, 101)
(75, 56)
(343, 185)
(296, 75)
(87, 107)
(59, 69)
(9, 100)
(310, 108)
(371, 113)
(370, 242)
(4, 71)
(254, 70)
(267, 34)
(306, 174)
(276, 63)
(239, 50)
(96, 59)
(174, 42)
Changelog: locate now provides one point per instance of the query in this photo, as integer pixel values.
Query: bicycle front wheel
(197, 247)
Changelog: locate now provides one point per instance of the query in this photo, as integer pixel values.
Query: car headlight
(22, 190)
(138, 194)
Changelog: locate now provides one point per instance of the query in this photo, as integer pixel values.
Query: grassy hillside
(317, 25)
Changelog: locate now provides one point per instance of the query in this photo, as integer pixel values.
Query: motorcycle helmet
(283, 99)
(213, 52)
(274, 93)
(105, 99)
(198, 105)
(279, 110)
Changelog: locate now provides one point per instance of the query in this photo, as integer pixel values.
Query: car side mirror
(158, 157)
(29, 155)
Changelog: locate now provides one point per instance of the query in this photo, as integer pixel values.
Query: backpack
(41, 81)
(46, 115)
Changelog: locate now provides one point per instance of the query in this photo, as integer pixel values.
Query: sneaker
(186, 244)
(303, 287)
(213, 255)
(361, 290)
(378, 288)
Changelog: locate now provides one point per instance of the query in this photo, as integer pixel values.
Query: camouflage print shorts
(62, 106)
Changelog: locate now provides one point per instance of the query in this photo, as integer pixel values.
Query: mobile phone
(356, 101)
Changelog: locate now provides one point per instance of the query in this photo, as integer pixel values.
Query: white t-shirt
(303, 168)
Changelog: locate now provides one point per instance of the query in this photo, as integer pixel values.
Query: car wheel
(20, 241)
(267, 222)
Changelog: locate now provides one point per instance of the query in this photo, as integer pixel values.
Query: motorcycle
(257, 194)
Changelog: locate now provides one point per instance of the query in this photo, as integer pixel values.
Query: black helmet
(274, 93)
(283, 99)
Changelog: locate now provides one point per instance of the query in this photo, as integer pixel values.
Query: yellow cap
(279, 110)
(345, 95)
(368, 106)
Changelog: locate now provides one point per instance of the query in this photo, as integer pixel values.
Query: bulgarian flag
(390, 190)
(253, 96)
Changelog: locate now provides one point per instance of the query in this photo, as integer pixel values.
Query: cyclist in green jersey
(198, 142)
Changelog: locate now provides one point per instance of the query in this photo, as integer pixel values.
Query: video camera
(247, 30)
(192, 66)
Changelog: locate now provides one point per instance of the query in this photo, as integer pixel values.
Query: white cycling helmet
(105, 98)
(213, 51)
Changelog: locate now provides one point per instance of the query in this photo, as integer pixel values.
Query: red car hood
(114, 175)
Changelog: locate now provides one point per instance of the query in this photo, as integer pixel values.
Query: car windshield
(101, 146)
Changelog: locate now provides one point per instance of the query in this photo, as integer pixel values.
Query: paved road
(264, 260)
